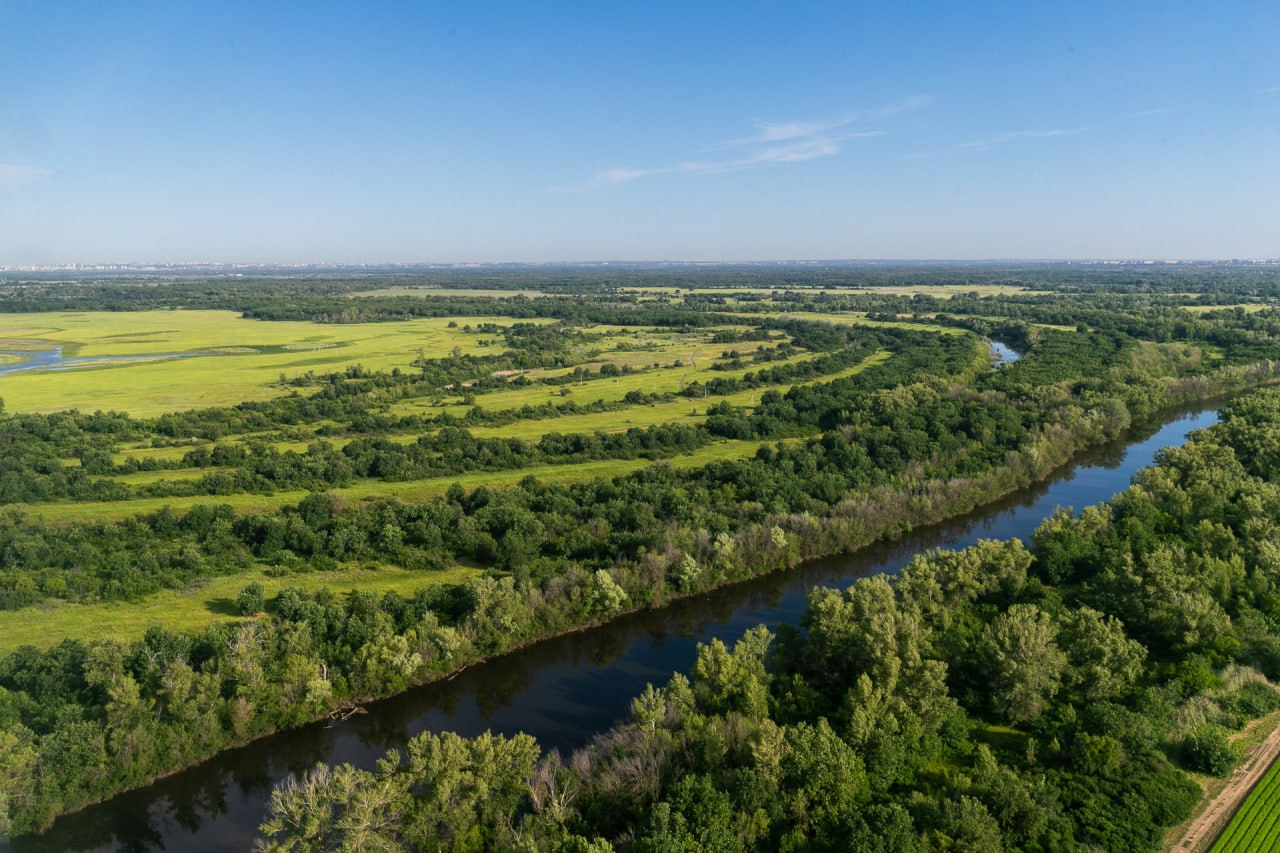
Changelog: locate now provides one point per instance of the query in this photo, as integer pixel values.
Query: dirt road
(1206, 828)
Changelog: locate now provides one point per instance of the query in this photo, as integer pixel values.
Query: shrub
(1207, 750)
(251, 599)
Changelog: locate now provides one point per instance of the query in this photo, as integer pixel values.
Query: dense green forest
(877, 412)
(989, 699)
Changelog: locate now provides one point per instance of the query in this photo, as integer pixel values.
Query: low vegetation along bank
(988, 699)
(172, 699)
(882, 428)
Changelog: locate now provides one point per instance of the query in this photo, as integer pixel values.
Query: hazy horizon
(625, 262)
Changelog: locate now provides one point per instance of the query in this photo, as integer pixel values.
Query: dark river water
(564, 690)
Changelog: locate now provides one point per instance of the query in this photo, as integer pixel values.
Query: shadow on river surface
(566, 689)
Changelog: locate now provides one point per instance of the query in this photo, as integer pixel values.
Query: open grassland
(717, 291)
(412, 490)
(1247, 307)
(144, 478)
(205, 603)
(946, 291)
(859, 318)
(686, 411)
(235, 359)
(448, 291)
(162, 454)
(609, 389)
(943, 291)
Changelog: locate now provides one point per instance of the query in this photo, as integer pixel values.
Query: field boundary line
(1210, 824)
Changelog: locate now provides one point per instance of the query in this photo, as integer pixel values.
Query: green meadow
(412, 490)
(204, 603)
(230, 359)
(942, 291)
(697, 365)
(679, 411)
(427, 291)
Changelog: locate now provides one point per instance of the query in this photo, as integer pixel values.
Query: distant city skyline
(292, 133)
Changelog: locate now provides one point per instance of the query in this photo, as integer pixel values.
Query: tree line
(996, 698)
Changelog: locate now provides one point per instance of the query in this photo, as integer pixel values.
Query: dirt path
(1206, 828)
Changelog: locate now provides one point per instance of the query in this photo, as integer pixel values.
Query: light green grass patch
(684, 411)
(413, 490)
(244, 358)
(947, 291)
(720, 291)
(1248, 308)
(205, 603)
(146, 478)
(448, 291)
(609, 389)
(942, 291)
(860, 319)
(157, 453)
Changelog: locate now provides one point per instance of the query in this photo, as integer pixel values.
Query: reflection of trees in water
(205, 800)
(136, 821)
(380, 731)
(306, 748)
(494, 694)
(608, 647)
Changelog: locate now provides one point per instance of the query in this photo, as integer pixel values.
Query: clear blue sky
(486, 131)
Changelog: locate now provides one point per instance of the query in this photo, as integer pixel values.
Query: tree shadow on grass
(222, 606)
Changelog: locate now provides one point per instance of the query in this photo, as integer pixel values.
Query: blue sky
(483, 131)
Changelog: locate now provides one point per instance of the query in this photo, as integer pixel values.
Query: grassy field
(609, 389)
(158, 453)
(232, 359)
(1248, 308)
(143, 478)
(680, 411)
(683, 411)
(238, 359)
(944, 291)
(1256, 826)
(413, 490)
(208, 602)
(448, 291)
(859, 319)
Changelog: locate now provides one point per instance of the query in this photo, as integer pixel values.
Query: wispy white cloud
(773, 143)
(1155, 112)
(613, 177)
(1023, 134)
(11, 173)
(768, 131)
(1270, 90)
(793, 150)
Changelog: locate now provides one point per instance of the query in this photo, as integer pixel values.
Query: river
(51, 359)
(566, 689)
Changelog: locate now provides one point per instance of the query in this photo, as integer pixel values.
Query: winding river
(566, 689)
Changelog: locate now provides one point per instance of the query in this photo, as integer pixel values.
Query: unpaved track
(1206, 828)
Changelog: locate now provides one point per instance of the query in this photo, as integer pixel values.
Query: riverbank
(602, 642)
